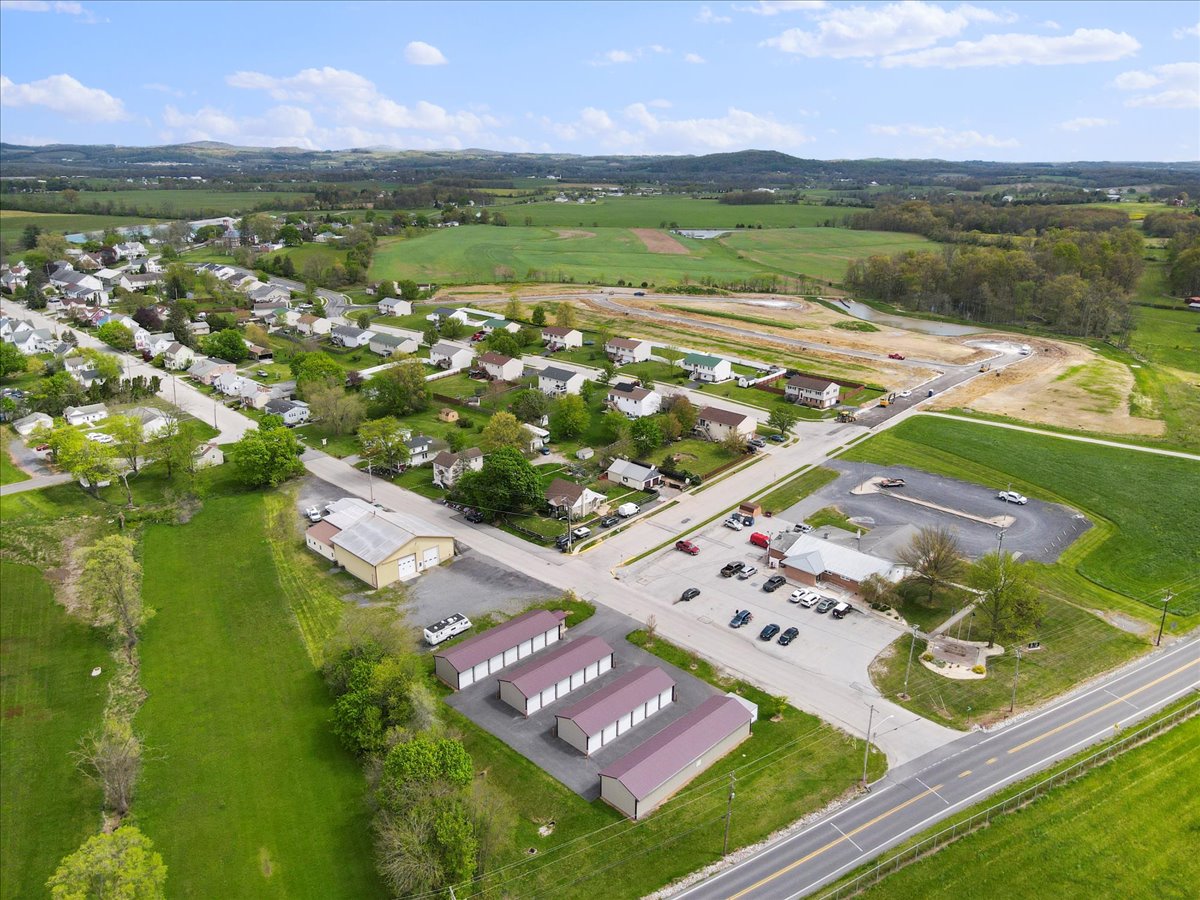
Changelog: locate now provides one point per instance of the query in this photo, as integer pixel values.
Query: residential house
(158, 343)
(556, 338)
(314, 325)
(575, 500)
(207, 455)
(153, 420)
(12, 281)
(178, 356)
(266, 312)
(447, 312)
(285, 318)
(271, 293)
(500, 367)
(136, 281)
(27, 425)
(717, 423)
(293, 412)
(820, 393)
(420, 449)
(85, 415)
(557, 382)
(449, 467)
(249, 391)
(634, 401)
(109, 278)
(39, 340)
(207, 370)
(387, 344)
(493, 325)
(199, 329)
(130, 250)
(9, 327)
(395, 306)
(349, 336)
(707, 368)
(623, 351)
(634, 475)
(451, 355)
(151, 265)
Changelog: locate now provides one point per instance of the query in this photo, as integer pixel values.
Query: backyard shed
(554, 675)
(474, 659)
(616, 708)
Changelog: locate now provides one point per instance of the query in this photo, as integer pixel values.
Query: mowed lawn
(14, 221)
(49, 702)
(1127, 829)
(1168, 336)
(10, 473)
(820, 253)
(248, 793)
(1151, 503)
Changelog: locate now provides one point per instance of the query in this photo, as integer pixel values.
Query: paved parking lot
(473, 585)
(838, 649)
(1039, 530)
(534, 738)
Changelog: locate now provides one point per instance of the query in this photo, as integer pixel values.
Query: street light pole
(867, 745)
(1016, 674)
(1163, 622)
(912, 646)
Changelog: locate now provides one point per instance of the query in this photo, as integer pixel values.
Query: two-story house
(623, 351)
(451, 355)
(703, 367)
(820, 393)
(558, 338)
(499, 367)
(556, 382)
(718, 424)
(634, 401)
(449, 467)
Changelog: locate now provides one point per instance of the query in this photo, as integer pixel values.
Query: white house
(395, 306)
(634, 475)
(449, 467)
(557, 338)
(451, 355)
(158, 343)
(635, 402)
(623, 351)
(707, 368)
(447, 312)
(565, 495)
(207, 455)
(349, 336)
(493, 325)
(293, 412)
(153, 420)
(29, 424)
(387, 344)
(130, 249)
(719, 423)
(39, 340)
(85, 415)
(178, 356)
(500, 367)
(820, 393)
(207, 370)
(310, 324)
(420, 449)
(556, 382)
(286, 318)
(271, 293)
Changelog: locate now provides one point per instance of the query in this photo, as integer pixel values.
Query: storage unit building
(641, 780)
(556, 674)
(616, 708)
(485, 654)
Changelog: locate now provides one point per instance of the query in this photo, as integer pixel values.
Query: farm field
(820, 253)
(50, 703)
(324, 254)
(14, 221)
(239, 718)
(1125, 829)
(193, 203)
(1141, 543)
(1168, 337)
(686, 212)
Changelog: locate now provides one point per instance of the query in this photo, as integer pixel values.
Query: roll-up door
(546, 697)
(664, 699)
(481, 671)
(429, 557)
(525, 649)
(609, 733)
(408, 565)
(496, 663)
(510, 656)
(562, 688)
(605, 664)
(533, 704)
(539, 641)
(578, 678)
(639, 714)
(466, 679)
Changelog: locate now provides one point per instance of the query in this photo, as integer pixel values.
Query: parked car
(545, 451)
(730, 569)
(774, 583)
(810, 599)
(804, 528)
(747, 572)
(759, 539)
(777, 438)
(99, 437)
(313, 514)
(788, 636)
(263, 373)
(479, 336)
(687, 547)
(839, 611)
(892, 482)
(757, 442)
(581, 532)
(1012, 497)
(42, 448)
(690, 594)
(746, 519)
(740, 618)
(735, 524)
(826, 605)
(474, 516)
(768, 632)
(609, 521)
(562, 541)
(800, 595)
(895, 356)
(639, 293)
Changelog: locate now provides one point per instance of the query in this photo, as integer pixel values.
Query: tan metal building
(615, 709)
(476, 658)
(642, 780)
(555, 674)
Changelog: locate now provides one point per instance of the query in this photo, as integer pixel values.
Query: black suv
(774, 583)
(474, 516)
(730, 569)
(768, 632)
(609, 521)
(788, 636)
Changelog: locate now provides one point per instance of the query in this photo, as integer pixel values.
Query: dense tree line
(1074, 282)
(1183, 264)
(951, 222)
(1170, 224)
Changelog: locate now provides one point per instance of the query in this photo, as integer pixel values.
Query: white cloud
(736, 129)
(1177, 84)
(614, 57)
(1084, 45)
(1189, 31)
(775, 7)
(1083, 122)
(1052, 25)
(694, 58)
(858, 31)
(419, 53)
(943, 138)
(39, 6)
(64, 95)
(162, 89)
(707, 17)
(660, 103)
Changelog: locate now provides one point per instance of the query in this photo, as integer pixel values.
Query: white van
(446, 629)
(625, 510)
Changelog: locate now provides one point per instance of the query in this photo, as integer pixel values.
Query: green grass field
(50, 702)
(1127, 829)
(9, 472)
(797, 489)
(651, 212)
(819, 252)
(325, 254)
(1168, 337)
(204, 202)
(249, 793)
(1145, 508)
(14, 221)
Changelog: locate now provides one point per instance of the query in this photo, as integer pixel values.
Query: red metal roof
(618, 698)
(512, 633)
(549, 668)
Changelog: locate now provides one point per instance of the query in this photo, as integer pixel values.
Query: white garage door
(577, 679)
(481, 671)
(609, 733)
(466, 679)
(408, 565)
(510, 656)
(546, 697)
(605, 664)
(539, 641)
(533, 704)
(639, 714)
(562, 688)
(664, 698)
(525, 649)
(652, 706)
(429, 557)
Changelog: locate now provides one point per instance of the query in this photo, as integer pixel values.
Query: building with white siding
(615, 709)
(553, 675)
(485, 654)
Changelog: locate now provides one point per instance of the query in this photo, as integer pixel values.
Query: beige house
(820, 393)
(718, 423)
(500, 367)
(558, 338)
(448, 467)
(377, 546)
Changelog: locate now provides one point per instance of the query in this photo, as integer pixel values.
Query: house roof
(722, 416)
(617, 698)
(418, 441)
(448, 348)
(556, 374)
(495, 359)
(624, 343)
(632, 391)
(207, 364)
(32, 419)
(564, 493)
(553, 666)
(677, 746)
(629, 469)
(816, 556)
(559, 331)
(447, 459)
(280, 406)
(323, 532)
(805, 382)
(347, 331)
(387, 340)
(503, 637)
(373, 534)
(703, 360)
(85, 410)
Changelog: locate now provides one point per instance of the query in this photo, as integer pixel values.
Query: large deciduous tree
(530, 405)
(89, 461)
(400, 390)
(116, 336)
(118, 865)
(568, 416)
(1009, 603)
(782, 418)
(227, 345)
(112, 756)
(383, 442)
(110, 589)
(646, 435)
(506, 485)
(267, 457)
(503, 430)
(934, 556)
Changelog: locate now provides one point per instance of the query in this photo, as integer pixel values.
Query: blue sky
(1005, 81)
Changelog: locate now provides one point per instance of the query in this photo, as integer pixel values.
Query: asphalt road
(927, 790)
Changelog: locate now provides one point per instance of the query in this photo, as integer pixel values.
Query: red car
(895, 356)
(479, 335)
(687, 547)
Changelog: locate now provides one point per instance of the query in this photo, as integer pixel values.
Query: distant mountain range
(746, 168)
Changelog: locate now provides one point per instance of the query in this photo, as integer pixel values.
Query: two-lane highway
(952, 778)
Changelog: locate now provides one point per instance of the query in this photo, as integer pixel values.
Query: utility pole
(867, 744)
(1163, 622)
(912, 646)
(1016, 674)
(729, 811)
